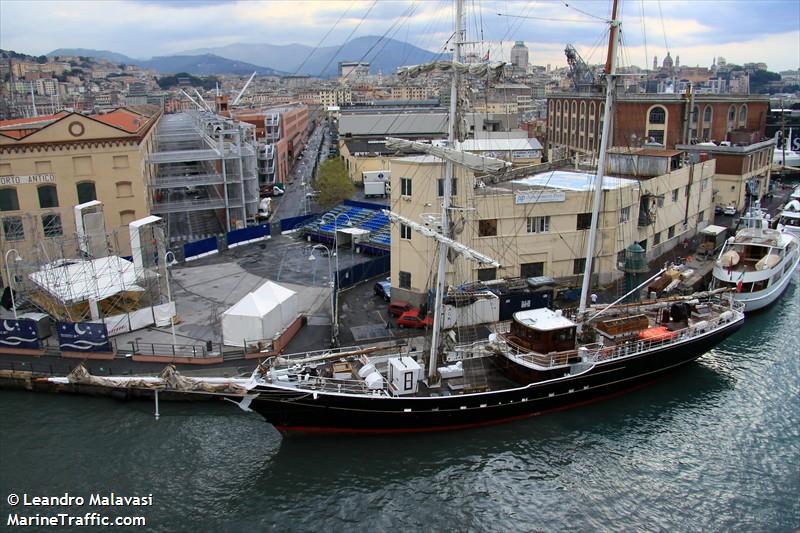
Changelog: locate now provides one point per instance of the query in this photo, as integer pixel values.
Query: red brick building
(574, 120)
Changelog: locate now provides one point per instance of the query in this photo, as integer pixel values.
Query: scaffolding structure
(205, 180)
(83, 276)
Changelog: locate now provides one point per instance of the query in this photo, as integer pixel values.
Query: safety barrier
(201, 248)
(292, 223)
(361, 271)
(247, 235)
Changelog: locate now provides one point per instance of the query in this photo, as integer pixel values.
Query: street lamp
(334, 322)
(8, 277)
(336, 238)
(167, 264)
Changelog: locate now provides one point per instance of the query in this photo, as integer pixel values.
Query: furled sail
(472, 161)
(494, 69)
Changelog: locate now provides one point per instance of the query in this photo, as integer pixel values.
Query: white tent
(261, 314)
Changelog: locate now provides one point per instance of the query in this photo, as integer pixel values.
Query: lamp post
(336, 238)
(334, 323)
(8, 278)
(167, 263)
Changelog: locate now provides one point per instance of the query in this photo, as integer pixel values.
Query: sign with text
(19, 334)
(539, 197)
(26, 180)
(524, 154)
(83, 337)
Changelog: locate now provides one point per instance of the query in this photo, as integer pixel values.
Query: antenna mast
(611, 71)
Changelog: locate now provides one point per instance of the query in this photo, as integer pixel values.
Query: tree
(41, 59)
(333, 184)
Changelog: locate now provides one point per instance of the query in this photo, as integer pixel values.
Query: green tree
(41, 59)
(333, 184)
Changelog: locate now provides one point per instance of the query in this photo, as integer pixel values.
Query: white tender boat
(758, 262)
(789, 219)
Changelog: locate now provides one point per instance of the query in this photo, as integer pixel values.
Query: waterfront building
(50, 163)
(538, 224)
(519, 56)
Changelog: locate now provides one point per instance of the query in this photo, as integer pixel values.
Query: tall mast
(458, 38)
(611, 71)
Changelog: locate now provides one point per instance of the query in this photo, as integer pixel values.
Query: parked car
(717, 209)
(729, 210)
(383, 289)
(412, 319)
(399, 307)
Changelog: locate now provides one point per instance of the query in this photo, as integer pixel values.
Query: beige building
(49, 164)
(538, 225)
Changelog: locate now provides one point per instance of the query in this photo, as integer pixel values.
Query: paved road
(293, 203)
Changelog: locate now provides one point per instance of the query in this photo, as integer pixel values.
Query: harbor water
(714, 446)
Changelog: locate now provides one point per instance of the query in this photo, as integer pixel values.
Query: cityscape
(253, 255)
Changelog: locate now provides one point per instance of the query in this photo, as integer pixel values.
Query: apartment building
(48, 164)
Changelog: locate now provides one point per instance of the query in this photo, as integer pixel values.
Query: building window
(658, 115)
(655, 136)
(584, 221)
(405, 280)
(51, 226)
(538, 224)
(126, 217)
(487, 227)
(707, 114)
(9, 200)
(659, 201)
(578, 266)
(86, 192)
(405, 232)
(124, 189)
(671, 232)
(531, 270)
(48, 196)
(675, 195)
(487, 274)
(657, 239)
(120, 161)
(405, 186)
(12, 229)
(743, 116)
(704, 184)
(453, 187)
(695, 114)
(624, 214)
(700, 216)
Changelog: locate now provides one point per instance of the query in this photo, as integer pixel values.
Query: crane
(246, 85)
(580, 73)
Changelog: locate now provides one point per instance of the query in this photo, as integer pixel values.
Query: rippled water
(712, 447)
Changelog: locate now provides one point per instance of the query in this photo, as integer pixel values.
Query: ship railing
(545, 360)
(325, 384)
(597, 352)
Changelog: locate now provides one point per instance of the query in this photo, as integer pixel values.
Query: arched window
(9, 200)
(707, 114)
(743, 116)
(86, 192)
(48, 196)
(658, 115)
(732, 114)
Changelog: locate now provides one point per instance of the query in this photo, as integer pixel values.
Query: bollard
(157, 413)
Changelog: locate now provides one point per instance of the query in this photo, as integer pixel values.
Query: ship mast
(458, 38)
(611, 72)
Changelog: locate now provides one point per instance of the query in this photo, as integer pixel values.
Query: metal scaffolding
(205, 180)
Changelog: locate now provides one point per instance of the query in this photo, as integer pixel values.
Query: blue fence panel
(192, 249)
(361, 271)
(83, 337)
(19, 334)
(295, 222)
(247, 234)
(366, 205)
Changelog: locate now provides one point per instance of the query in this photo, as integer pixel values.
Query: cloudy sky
(696, 30)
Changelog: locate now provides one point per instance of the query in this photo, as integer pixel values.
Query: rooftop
(573, 181)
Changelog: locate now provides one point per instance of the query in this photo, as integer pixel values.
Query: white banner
(163, 313)
(539, 197)
(25, 180)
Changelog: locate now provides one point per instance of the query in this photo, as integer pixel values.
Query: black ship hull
(291, 410)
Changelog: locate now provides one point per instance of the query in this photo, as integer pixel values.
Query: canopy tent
(260, 314)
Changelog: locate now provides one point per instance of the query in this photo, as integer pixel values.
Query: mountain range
(383, 54)
(197, 64)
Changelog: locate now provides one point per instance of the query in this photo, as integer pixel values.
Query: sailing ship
(540, 360)
(758, 262)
